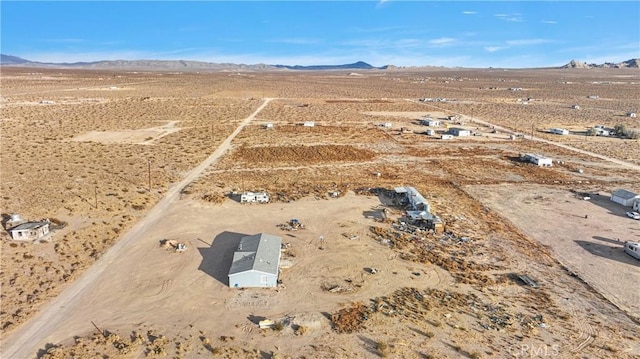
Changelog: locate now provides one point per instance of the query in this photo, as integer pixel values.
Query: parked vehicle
(634, 215)
(632, 249)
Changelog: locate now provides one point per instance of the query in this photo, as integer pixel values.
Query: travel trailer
(632, 249)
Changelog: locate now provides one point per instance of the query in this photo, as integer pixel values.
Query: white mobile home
(256, 262)
(559, 131)
(446, 137)
(460, 132)
(309, 124)
(430, 122)
(538, 160)
(254, 197)
(624, 197)
(30, 231)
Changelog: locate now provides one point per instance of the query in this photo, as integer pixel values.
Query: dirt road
(531, 137)
(27, 339)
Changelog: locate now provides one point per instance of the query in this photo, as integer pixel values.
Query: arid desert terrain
(122, 162)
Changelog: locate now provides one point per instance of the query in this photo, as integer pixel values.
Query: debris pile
(292, 225)
(350, 319)
(171, 244)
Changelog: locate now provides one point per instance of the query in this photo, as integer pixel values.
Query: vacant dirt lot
(105, 147)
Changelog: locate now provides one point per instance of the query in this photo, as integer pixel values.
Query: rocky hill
(629, 64)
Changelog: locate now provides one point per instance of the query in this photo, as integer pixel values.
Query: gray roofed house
(624, 197)
(256, 262)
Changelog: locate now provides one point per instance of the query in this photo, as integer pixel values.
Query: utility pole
(532, 132)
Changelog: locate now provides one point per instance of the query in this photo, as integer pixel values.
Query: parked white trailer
(632, 249)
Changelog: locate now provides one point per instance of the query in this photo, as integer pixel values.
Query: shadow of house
(217, 259)
(615, 253)
(609, 240)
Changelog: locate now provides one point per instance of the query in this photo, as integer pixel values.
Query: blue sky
(404, 33)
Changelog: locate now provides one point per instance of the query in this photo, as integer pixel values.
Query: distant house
(538, 160)
(386, 125)
(460, 132)
(430, 132)
(559, 131)
(594, 97)
(624, 197)
(268, 126)
(309, 124)
(632, 114)
(30, 231)
(254, 197)
(256, 262)
(446, 137)
(430, 122)
(575, 107)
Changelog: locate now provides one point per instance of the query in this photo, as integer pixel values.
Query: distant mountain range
(629, 64)
(182, 65)
(179, 65)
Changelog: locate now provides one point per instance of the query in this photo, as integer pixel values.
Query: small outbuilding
(309, 124)
(30, 231)
(460, 132)
(538, 160)
(256, 262)
(386, 125)
(632, 114)
(446, 137)
(268, 126)
(624, 197)
(430, 122)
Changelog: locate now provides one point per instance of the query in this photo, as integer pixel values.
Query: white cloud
(493, 48)
(442, 41)
(515, 17)
(525, 42)
(469, 12)
(549, 22)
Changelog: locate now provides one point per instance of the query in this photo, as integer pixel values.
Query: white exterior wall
(253, 279)
(30, 234)
(630, 202)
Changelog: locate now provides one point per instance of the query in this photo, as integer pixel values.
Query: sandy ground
(433, 296)
(591, 247)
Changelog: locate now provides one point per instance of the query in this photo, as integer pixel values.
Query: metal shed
(624, 197)
(256, 262)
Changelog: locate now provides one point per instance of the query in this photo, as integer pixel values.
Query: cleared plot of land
(140, 137)
(586, 236)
